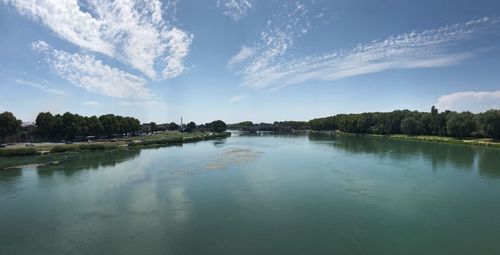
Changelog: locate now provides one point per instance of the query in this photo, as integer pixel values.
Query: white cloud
(241, 56)
(133, 32)
(87, 72)
(178, 48)
(479, 101)
(91, 103)
(272, 66)
(236, 9)
(40, 87)
(236, 99)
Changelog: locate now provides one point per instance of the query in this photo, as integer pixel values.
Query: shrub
(17, 152)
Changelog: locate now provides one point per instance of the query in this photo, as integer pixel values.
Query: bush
(17, 152)
(63, 148)
(92, 147)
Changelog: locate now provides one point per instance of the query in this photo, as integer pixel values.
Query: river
(256, 194)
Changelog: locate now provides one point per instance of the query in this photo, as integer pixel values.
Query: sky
(257, 60)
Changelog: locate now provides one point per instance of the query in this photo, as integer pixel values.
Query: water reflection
(73, 163)
(67, 164)
(439, 154)
(10, 175)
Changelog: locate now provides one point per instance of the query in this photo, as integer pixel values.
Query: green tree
(94, 126)
(190, 127)
(133, 124)
(9, 125)
(173, 126)
(153, 126)
(216, 126)
(45, 123)
(110, 124)
(490, 123)
(411, 126)
(70, 125)
(461, 124)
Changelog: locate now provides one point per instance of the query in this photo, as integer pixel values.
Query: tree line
(447, 123)
(68, 126)
(214, 126)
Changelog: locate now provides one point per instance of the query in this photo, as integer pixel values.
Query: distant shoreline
(160, 139)
(485, 142)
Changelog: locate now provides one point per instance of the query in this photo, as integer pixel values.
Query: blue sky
(252, 60)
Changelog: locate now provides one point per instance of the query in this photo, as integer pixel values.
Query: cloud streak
(235, 9)
(476, 101)
(272, 65)
(40, 87)
(241, 56)
(133, 32)
(85, 71)
(236, 99)
(91, 103)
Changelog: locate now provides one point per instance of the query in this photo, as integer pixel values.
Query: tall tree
(173, 126)
(460, 124)
(411, 126)
(45, 123)
(490, 123)
(190, 126)
(9, 125)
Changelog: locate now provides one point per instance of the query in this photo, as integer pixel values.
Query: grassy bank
(159, 139)
(177, 140)
(439, 139)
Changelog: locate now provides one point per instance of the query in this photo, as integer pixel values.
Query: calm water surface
(256, 195)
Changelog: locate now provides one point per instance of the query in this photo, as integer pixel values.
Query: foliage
(9, 124)
(18, 152)
(190, 127)
(411, 126)
(69, 125)
(81, 147)
(490, 123)
(436, 123)
(173, 126)
(216, 126)
(461, 124)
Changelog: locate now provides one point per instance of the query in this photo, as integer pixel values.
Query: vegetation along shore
(72, 132)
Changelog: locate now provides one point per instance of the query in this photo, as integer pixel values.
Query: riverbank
(427, 138)
(159, 139)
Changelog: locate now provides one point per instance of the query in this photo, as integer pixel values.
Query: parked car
(3, 145)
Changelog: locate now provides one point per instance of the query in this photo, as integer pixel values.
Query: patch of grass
(81, 147)
(18, 152)
(93, 147)
(63, 148)
(437, 139)
(192, 137)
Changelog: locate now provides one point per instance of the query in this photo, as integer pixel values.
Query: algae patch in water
(36, 165)
(233, 156)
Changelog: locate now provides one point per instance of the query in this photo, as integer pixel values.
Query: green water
(257, 195)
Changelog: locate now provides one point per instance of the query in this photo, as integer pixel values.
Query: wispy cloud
(236, 99)
(87, 72)
(40, 86)
(241, 56)
(133, 32)
(273, 66)
(476, 101)
(236, 9)
(91, 103)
